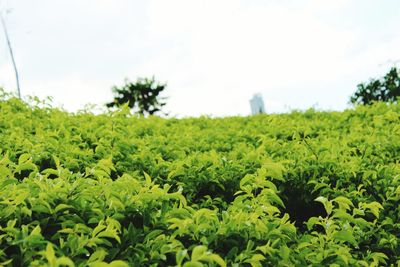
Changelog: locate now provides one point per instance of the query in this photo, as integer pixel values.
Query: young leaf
(345, 235)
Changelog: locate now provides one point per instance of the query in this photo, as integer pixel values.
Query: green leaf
(98, 229)
(274, 170)
(246, 179)
(118, 263)
(26, 166)
(147, 179)
(198, 252)
(344, 203)
(193, 264)
(180, 256)
(61, 207)
(255, 260)
(50, 254)
(23, 158)
(217, 259)
(373, 207)
(345, 235)
(37, 232)
(327, 204)
(98, 255)
(56, 161)
(65, 261)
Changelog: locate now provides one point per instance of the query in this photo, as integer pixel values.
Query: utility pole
(11, 53)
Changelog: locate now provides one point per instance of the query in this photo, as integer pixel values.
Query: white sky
(213, 54)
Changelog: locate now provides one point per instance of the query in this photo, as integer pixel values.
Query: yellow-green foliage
(305, 188)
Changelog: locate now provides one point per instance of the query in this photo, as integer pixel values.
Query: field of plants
(300, 189)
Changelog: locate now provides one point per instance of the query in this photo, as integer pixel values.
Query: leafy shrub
(298, 189)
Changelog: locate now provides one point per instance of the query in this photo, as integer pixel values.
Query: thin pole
(11, 53)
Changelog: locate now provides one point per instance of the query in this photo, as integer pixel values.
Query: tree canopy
(386, 89)
(143, 96)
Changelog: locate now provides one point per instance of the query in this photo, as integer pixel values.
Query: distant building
(257, 104)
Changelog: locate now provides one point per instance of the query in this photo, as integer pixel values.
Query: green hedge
(305, 188)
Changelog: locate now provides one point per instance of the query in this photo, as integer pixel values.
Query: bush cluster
(305, 188)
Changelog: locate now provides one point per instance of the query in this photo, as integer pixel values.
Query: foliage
(143, 96)
(386, 89)
(300, 189)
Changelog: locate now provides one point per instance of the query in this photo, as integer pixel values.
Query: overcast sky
(213, 54)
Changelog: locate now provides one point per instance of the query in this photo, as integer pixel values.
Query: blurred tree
(143, 96)
(386, 89)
